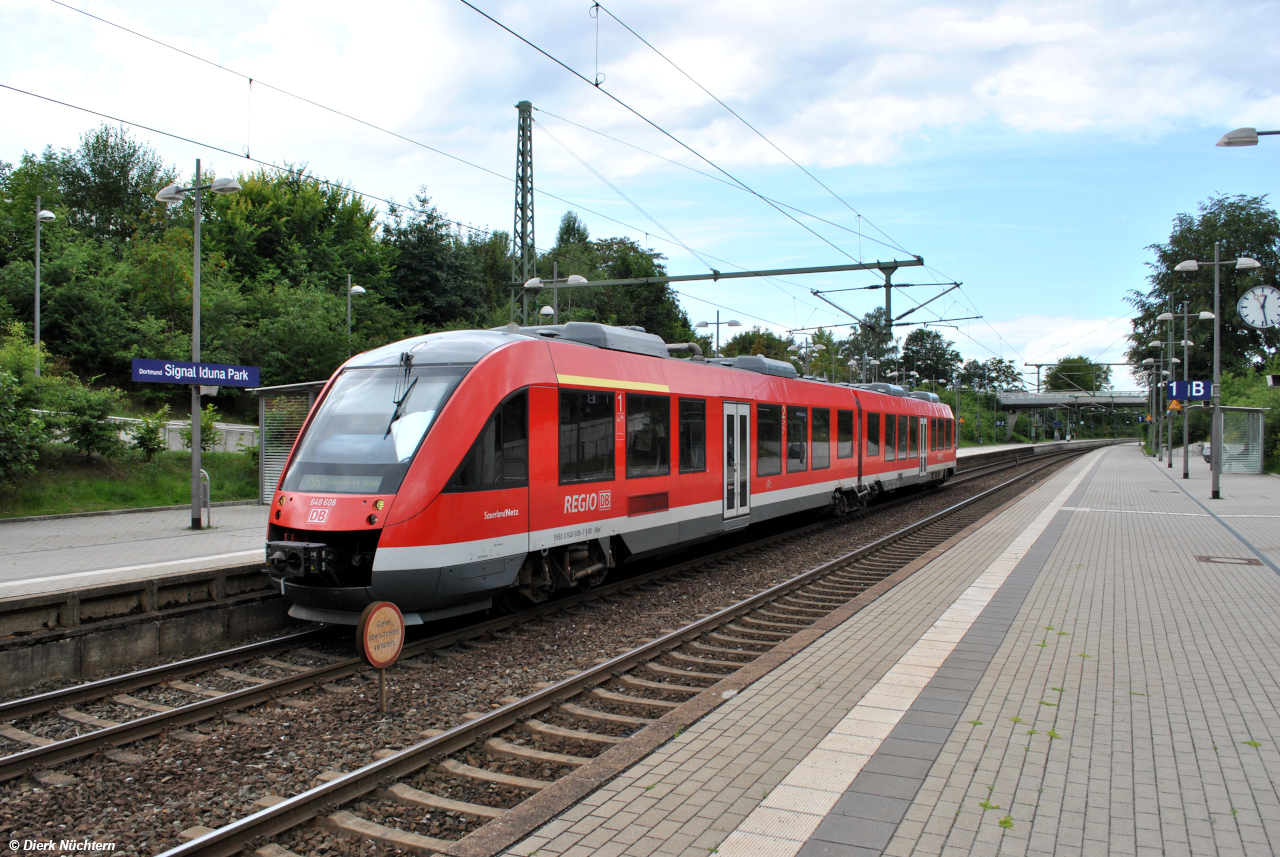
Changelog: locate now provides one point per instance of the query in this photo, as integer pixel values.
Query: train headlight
(378, 504)
(372, 519)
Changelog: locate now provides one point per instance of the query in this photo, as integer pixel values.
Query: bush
(82, 418)
(22, 433)
(148, 436)
(210, 436)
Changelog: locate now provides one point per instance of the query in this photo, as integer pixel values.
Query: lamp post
(351, 290)
(875, 369)
(174, 193)
(1242, 137)
(1186, 373)
(1243, 263)
(555, 281)
(806, 351)
(42, 217)
(733, 322)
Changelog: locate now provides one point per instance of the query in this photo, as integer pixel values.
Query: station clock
(1260, 307)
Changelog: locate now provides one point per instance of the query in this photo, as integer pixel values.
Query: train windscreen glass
(363, 438)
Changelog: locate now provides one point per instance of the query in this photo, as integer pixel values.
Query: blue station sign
(181, 372)
(1189, 391)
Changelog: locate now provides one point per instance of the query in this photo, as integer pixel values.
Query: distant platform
(66, 553)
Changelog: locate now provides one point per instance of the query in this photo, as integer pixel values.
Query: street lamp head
(873, 363)
(44, 215)
(1155, 344)
(546, 312)
(733, 322)
(795, 348)
(576, 280)
(172, 193)
(357, 290)
(1207, 316)
(1187, 343)
(1244, 263)
(535, 283)
(1239, 137)
(819, 347)
(1175, 360)
(1190, 265)
(1148, 361)
(225, 185)
(1165, 316)
(701, 324)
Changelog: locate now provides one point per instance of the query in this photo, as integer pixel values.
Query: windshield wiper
(399, 411)
(406, 364)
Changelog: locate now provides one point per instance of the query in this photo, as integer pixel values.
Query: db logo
(606, 499)
(588, 502)
(318, 516)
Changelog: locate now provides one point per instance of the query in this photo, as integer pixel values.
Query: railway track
(108, 714)
(477, 788)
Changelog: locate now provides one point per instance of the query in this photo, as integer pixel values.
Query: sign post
(380, 638)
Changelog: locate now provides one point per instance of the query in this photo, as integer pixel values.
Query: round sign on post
(380, 638)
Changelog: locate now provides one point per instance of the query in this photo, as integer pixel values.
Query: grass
(66, 481)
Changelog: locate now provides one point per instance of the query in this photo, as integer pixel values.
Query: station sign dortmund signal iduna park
(182, 372)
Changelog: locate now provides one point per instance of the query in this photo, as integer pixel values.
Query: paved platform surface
(1095, 671)
(57, 554)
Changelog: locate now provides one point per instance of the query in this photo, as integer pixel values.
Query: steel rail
(42, 702)
(232, 838)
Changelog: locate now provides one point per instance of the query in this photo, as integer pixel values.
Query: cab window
(499, 458)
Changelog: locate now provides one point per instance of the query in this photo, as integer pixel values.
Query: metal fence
(281, 412)
(1242, 440)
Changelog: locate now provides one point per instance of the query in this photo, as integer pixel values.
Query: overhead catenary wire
(757, 131)
(715, 178)
(659, 129)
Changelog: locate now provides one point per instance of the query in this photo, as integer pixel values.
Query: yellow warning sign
(1175, 405)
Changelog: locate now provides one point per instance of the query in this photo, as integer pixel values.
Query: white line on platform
(1150, 512)
(196, 563)
(781, 824)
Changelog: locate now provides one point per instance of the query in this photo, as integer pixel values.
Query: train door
(924, 444)
(737, 459)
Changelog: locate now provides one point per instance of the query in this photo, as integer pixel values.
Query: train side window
(933, 434)
(913, 439)
(844, 434)
(586, 436)
(903, 421)
(648, 435)
(768, 440)
(890, 436)
(499, 458)
(797, 439)
(951, 433)
(821, 438)
(693, 435)
(873, 435)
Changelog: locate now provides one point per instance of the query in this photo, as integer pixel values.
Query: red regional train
(449, 470)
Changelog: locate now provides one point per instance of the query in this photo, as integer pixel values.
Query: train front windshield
(363, 438)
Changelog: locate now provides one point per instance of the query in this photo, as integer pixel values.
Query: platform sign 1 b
(183, 372)
(1189, 391)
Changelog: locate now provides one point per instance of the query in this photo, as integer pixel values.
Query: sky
(1030, 151)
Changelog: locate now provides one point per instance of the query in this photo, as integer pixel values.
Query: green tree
(109, 183)
(930, 354)
(1247, 226)
(1077, 373)
(22, 433)
(436, 278)
(758, 341)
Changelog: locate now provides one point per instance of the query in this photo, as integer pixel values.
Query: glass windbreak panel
(693, 435)
(821, 438)
(844, 434)
(361, 441)
(890, 436)
(586, 436)
(768, 440)
(500, 456)
(797, 439)
(648, 435)
(873, 435)
(903, 422)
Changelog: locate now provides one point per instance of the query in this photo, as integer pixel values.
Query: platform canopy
(1021, 401)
